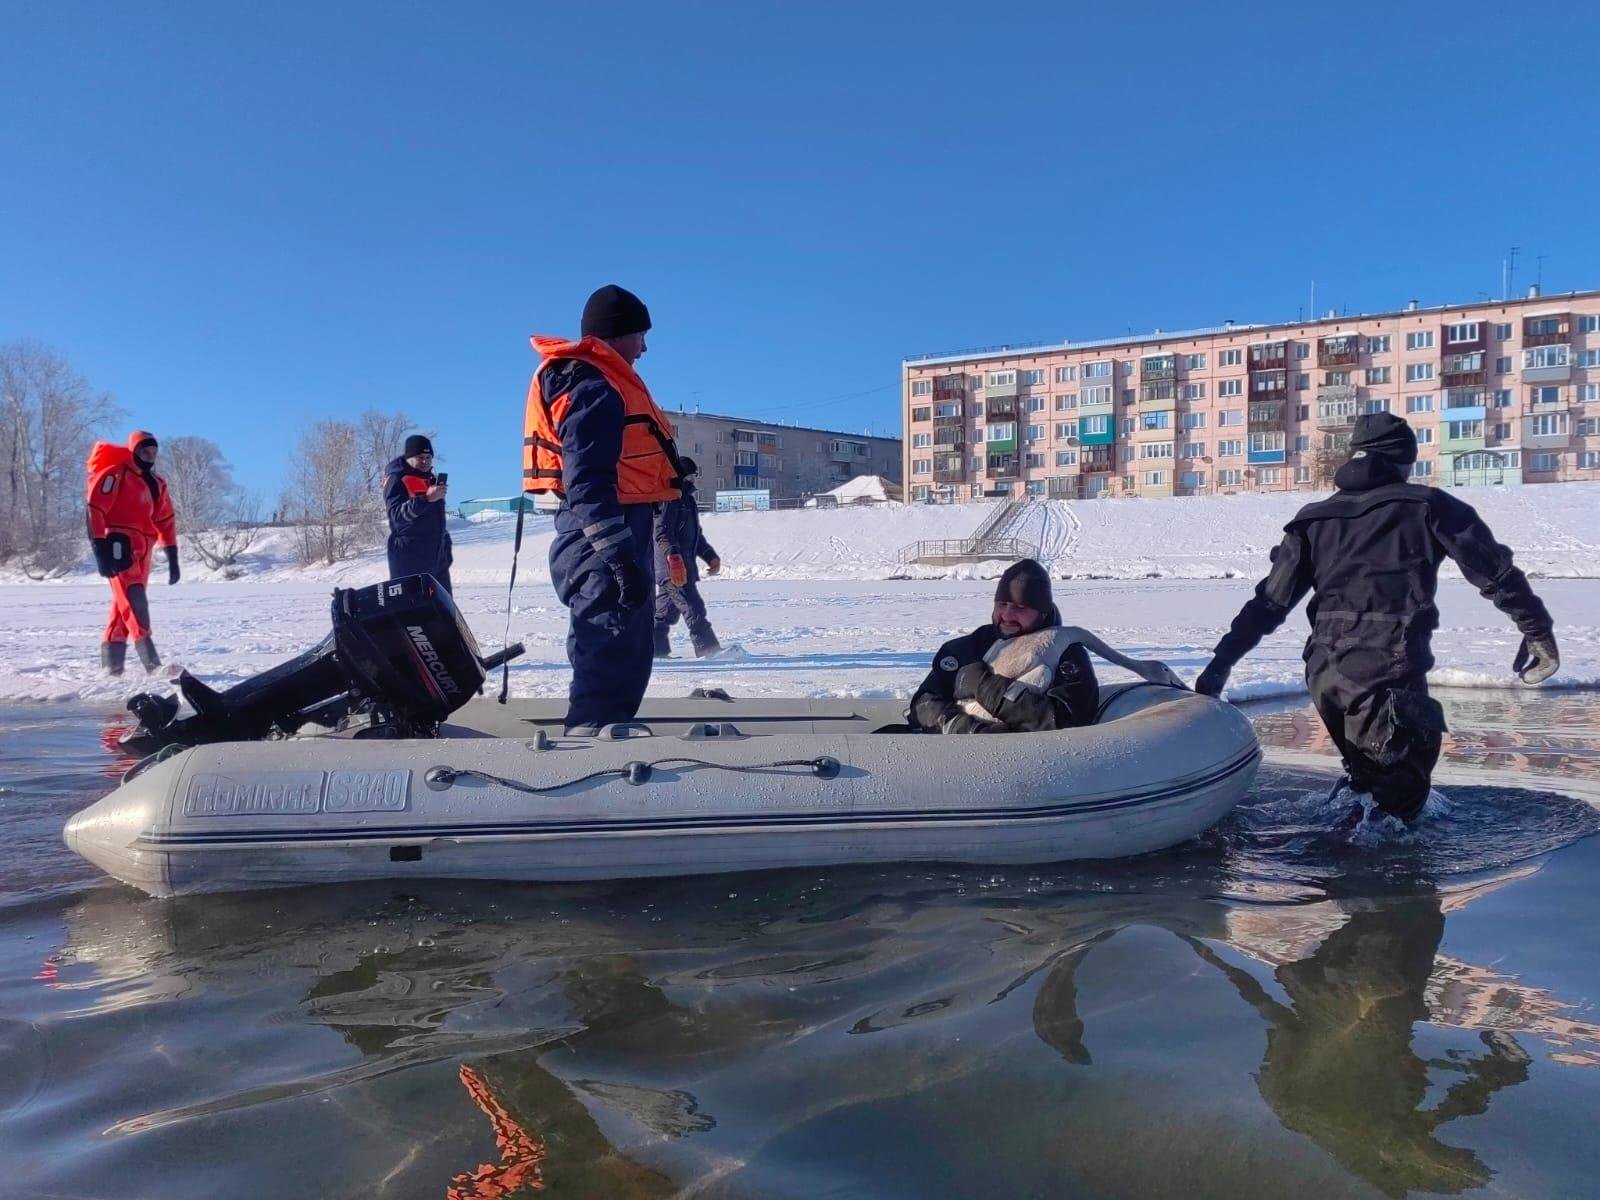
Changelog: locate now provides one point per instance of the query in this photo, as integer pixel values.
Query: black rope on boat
(636, 772)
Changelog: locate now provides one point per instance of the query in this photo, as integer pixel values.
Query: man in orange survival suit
(596, 438)
(130, 513)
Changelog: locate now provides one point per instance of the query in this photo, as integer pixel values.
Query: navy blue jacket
(418, 540)
(678, 529)
(591, 444)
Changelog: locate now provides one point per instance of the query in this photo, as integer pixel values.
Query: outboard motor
(398, 648)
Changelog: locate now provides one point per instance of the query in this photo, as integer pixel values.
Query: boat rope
(150, 760)
(511, 592)
(635, 772)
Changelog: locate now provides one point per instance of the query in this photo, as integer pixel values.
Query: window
(1336, 379)
(1156, 450)
(1194, 480)
(1589, 460)
(1003, 432)
(1418, 372)
(1421, 340)
(1035, 433)
(1000, 379)
(1378, 343)
(1302, 443)
(1097, 370)
(1099, 394)
(1544, 326)
(1588, 392)
(1127, 395)
(1066, 458)
(1262, 442)
(1586, 324)
(1066, 374)
(1155, 420)
(1541, 357)
(1230, 387)
(1301, 350)
(1544, 462)
(1033, 460)
(1231, 416)
(1067, 401)
(1374, 404)
(1130, 482)
(1066, 429)
(1466, 331)
(1302, 412)
(1548, 424)
(977, 408)
(1502, 430)
(1377, 375)
(1589, 358)
(1231, 448)
(1194, 362)
(1422, 469)
(1502, 398)
(1425, 436)
(921, 414)
(922, 387)
(1094, 426)
(1502, 333)
(1229, 478)
(920, 440)
(1302, 474)
(921, 466)
(1127, 424)
(1269, 475)
(1031, 378)
(1502, 366)
(1157, 478)
(1302, 381)
(1420, 404)
(1194, 391)
(977, 465)
(1457, 430)
(1544, 396)
(1194, 450)
(1230, 358)
(1194, 420)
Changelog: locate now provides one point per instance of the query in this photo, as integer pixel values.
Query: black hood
(1368, 471)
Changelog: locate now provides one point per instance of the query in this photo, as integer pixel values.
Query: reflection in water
(521, 1152)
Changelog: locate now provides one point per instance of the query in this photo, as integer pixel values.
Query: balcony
(1093, 401)
(1101, 460)
(953, 435)
(949, 468)
(950, 387)
(1479, 468)
(1269, 385)
(1461, 429)
(950, 413)
(1551, 363)
(1548, 329)
(1269, 356)
(1266, 415)
(1464, 345)
(1336, 406)
(1551, 432)
(1340, 351)
(1003, 408)
(1464, 370)
(1158, 367)
(1004, 466)
(1158, 396)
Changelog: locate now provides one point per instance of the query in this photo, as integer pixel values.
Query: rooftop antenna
(1312, 308)
(1509, 272)
(1538, 281)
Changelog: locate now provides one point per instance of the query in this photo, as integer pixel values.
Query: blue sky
(241, 218)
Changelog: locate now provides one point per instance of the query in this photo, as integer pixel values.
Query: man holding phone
(414, 497)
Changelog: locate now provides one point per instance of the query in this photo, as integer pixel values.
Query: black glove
(1213, 679)
(633, 586)
(172, 565)
(970, 678)
(113, 554)
(1537, 658)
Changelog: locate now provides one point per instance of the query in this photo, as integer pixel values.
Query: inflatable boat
(497, 791)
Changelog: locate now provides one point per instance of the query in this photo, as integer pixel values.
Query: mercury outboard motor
(399, 649)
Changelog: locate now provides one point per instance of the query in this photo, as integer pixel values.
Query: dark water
(1275, 1010)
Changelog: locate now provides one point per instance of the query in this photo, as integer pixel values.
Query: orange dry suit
(130, 513)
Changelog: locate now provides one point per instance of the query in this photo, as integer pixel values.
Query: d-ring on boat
(409, 775)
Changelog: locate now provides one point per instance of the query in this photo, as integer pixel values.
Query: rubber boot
(146, 649)
(112, 656)
(663, 635)
(707, 646)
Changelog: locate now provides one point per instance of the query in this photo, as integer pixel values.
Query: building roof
(755, 422)
(1229, 327)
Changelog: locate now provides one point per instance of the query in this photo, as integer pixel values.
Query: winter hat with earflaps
(1384, 435)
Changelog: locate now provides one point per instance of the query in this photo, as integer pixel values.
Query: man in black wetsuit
(1370, 556)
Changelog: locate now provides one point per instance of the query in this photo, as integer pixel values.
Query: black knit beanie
(1384, 435)
(417, 444)
(614, 312)
(687, 466)
(1026, 582)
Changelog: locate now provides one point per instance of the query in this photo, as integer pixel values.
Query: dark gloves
(113, 554)
(173, 575)
(1214, 678)
(1537, 658)
(970, 678)
(631, 583)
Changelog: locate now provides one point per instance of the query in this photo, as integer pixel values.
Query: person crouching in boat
(1024, 671)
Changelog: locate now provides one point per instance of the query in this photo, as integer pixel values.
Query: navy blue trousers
(403, 562)
(671, 602)
(610, 649)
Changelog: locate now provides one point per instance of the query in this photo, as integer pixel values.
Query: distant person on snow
(594, 436)
(1369, 555)
(1024, 671)
(130, 513)
(680, 547)
(415, 498)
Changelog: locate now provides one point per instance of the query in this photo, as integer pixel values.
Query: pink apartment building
(1505, 392)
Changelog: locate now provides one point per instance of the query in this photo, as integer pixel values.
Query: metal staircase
(992, 539)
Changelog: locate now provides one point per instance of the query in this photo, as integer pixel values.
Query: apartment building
(790, 461)
(1504, 392)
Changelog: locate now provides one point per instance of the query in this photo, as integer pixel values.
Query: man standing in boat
(129, 515)
(1369, 555)
(596, 438)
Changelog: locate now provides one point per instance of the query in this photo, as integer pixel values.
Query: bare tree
(223, 543)
(327, 493)
(1325, 461)
(49, 414)
(198, 479)
(380, 437)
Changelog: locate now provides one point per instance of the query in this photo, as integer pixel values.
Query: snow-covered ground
(822, 606)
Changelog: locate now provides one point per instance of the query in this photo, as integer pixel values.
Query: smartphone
(442, 478)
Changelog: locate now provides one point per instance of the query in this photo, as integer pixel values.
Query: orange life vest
(647, 470)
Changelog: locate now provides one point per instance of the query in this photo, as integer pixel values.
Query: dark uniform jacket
(1072, 698)
(678, 531)
(418, 540)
